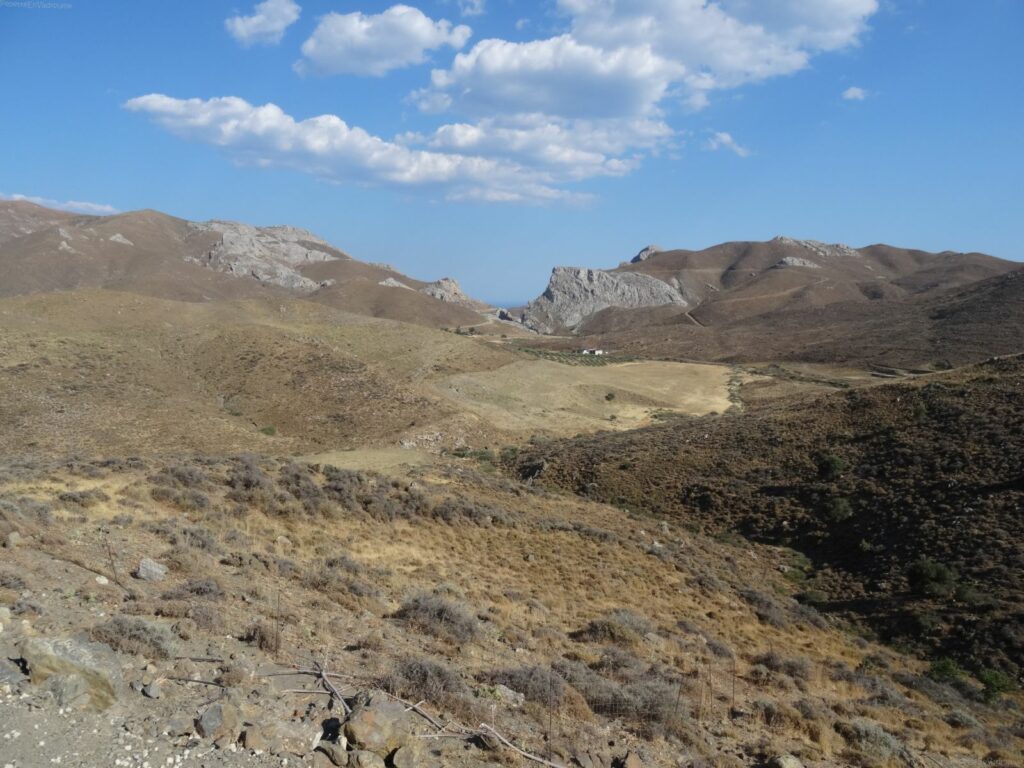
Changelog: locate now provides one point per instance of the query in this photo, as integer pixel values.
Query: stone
(409, 756)
(297, 738)
(152, 690)
(220, 722)
(336, 751)
(12, 540)
(178, 725)
(365, 759)
(591, 759)
(785, 761)
(150, 570)
(70, 690)
(632, 760)
(284, 738)
(380, 726)
(257, 739)
(94, 663)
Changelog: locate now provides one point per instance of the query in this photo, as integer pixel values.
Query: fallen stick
(201, 682)
(535, 758)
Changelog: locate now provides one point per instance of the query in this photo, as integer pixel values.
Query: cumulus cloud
(74, 206)
(723, 140)
(855, 93)
(685, 47)
(327, 147)
(558, 76)
(360, 44)
(266, 24)
(566, 150)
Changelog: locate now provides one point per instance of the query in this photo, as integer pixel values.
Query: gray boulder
(365, 759)
(219, 722)
(380, 726)
(150, 570)
(93, 664)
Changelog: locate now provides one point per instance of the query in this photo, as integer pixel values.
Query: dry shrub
(777, 715)
(130, 634)
(538, 684)
(796, 667)
(622, 627)
(263, 636)
(871, 743)
(423, 679)
(208, 589)
(438, 617)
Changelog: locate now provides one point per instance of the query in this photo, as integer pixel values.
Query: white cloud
(723, 140)
(267, 24)
(74, 206)
(855, 93)
(355, 43)
(472, 7)
(327, 147)
(688, 48)
(558, 76)
(564, 149)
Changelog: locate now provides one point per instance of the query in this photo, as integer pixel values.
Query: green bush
(945, 670)
(995, 684)
(931, 579)
(838, 509)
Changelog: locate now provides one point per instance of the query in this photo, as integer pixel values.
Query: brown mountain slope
(906, 498)
(784, 299)
(961, 326)
(151, 253)
(18, 218)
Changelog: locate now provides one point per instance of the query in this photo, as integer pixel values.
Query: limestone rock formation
(825, 250)
(268, 254)
(447, 289)
(645, 254)
(574, 294)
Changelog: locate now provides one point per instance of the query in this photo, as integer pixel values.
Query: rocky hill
(154, 254)
(788, 299)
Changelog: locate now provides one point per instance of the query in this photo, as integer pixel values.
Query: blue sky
(490, 140)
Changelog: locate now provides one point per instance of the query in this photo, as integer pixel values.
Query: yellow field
(544, 396)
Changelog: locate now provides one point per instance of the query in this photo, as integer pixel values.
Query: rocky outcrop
(447, 289)
(795, 261)
(645, 254)
(825, 250)
(574, 294)
(268, 254)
